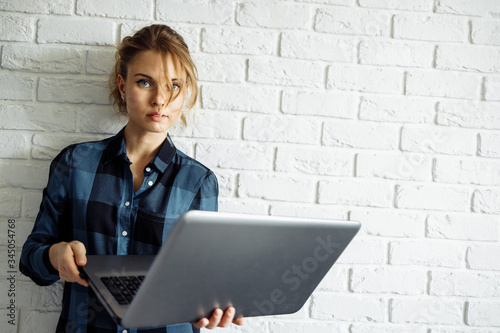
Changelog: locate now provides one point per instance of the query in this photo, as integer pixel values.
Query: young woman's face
(147, 93)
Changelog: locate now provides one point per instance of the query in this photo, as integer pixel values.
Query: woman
(122, 195)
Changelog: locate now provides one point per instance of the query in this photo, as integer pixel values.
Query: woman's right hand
(66, 257)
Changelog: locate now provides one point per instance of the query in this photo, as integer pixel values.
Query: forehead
(156, 64)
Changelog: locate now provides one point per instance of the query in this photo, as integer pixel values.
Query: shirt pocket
(150, 231)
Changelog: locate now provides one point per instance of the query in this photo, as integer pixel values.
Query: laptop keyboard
(123, 288)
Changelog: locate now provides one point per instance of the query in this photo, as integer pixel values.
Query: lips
(156, 116)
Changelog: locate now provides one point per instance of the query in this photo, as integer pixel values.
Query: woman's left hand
(219, 319)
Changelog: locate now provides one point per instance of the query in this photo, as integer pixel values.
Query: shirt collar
(116, 147)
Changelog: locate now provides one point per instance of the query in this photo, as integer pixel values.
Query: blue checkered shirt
(90, 198)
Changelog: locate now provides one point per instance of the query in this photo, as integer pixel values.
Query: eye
(175, 86)
(144, 83)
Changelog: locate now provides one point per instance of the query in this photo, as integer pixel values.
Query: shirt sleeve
(207, 196)
(47, 230)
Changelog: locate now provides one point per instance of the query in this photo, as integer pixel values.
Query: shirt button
(148, 169)
(124, 331)
(150, 183)
(127, 203)
(124, 233)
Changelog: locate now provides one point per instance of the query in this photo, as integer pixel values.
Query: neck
(142, 146)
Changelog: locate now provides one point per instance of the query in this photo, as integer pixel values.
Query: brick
(465, 227)
(240, 156)
(16, 87)
(427, 253)
(489, 145)
(348, 307)
(317, 47)
(411, 5)
(308, 211)
(469, 114)
(213, 125)
(483, 313)
(403, 166)
(433, 197)
(41, 59)
(464, 283)
(195, 11)
(477, 172)
(227, 183)
(100, 120)
(316, 327)
(281, 129)
(463, 7)
(239, 41)
(397, 109)
(100, 61)
(220, 68)
(386, 328)
(364, 252)
(38, 321)
(485, 31)
(48, 145)
(14, 145)
(69, 30)
(365, 79)
(132, 9)
(468, 58)
(396, 54)
(281, 188)
(315, 103)
(77, 91)
(430, 311)
(443, 84)
(10, 206)
(380, 280)
(240, 98)
(438, 140)
(492, 89)
(31, 203)
(16, 28)
(390, 223)
(235, 205)
(348, 21)
(63, 7)
(316, 161)
(439, 28)
(273, 15)
(22, 174)
(4, 319)
(191, 35)
(486, 201)
(335, 280)
(364, 135)
(356, 193)
(32, 296)
(286, 72)
(484, 257)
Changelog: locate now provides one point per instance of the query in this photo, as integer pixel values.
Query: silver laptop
(261, 265)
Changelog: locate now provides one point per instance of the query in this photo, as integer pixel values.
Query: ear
(120, 81)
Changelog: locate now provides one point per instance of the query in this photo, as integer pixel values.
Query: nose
(159, 98)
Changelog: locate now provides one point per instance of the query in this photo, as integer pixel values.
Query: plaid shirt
(90, 198)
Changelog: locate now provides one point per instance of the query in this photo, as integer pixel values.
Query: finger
(201, 323)
(238, 321)
(227, 318)
(79, 252)
(215, 319)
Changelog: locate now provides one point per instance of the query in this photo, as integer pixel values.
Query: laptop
(260, 265)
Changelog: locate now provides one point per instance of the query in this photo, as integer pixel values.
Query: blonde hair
(166, 41)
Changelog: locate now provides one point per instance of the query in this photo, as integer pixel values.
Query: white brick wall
(382, 111)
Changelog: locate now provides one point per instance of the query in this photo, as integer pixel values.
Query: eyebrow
(149, 77)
